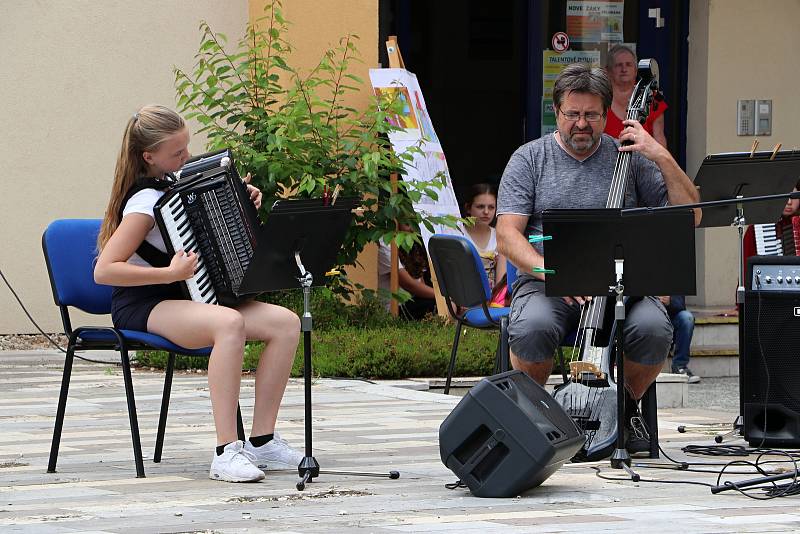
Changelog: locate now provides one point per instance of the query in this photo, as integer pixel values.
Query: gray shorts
(538, 324)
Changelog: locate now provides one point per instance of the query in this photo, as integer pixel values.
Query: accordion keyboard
(767, 241)
(181, 235)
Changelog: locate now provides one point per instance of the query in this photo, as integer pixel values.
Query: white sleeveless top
(488, 254)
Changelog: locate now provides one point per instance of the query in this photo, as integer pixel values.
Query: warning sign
(560, 41)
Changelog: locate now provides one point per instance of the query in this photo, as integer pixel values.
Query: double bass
(590, 394)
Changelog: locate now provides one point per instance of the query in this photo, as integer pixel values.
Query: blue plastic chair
(70, 251)
(464, 285)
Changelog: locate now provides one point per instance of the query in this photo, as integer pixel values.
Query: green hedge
(397, 349)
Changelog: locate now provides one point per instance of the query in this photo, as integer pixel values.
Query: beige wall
(739, 49)
(71, 74)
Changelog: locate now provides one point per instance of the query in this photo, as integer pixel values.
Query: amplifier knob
(779, 279)
(797, 279)
(768, 279)
(788, 279)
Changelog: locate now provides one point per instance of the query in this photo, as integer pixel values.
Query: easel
(396, 62)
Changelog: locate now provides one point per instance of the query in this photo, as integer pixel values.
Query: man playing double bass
(573, 168)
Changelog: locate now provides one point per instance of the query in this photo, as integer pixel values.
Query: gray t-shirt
(541, 175)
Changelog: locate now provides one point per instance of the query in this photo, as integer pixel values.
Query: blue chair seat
(477, 318)
(152, 341)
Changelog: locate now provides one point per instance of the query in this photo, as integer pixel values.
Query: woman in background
(481, 204)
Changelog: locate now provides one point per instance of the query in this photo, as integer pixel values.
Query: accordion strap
(147, 251)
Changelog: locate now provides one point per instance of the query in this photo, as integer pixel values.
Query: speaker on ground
(769, 363)
(507, 435)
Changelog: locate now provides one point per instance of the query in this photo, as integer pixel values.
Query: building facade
(73, 72)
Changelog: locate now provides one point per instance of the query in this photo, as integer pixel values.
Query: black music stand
(299, 242)
(727, 182)
(627, 256)
(761, 179)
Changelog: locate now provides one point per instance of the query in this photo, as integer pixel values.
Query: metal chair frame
(89, 338)
(464, 285)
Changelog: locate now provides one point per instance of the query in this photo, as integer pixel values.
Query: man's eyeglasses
(574, 116)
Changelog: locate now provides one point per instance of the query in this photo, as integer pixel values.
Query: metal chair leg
(505, 353)
(137, 444)
(650, 416)
(162, 418)
(453, 353)
(62, 407)
(497, 358)
(239, 424)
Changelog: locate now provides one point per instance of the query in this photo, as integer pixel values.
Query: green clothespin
(539, 238)
(543, 270)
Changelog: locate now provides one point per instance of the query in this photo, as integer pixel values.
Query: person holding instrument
(621, 66)
(148, 298)
(573, 168)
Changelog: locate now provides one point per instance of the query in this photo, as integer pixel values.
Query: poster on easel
(416, 129)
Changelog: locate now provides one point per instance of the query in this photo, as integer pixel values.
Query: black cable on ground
(56, 345)
(766, 491)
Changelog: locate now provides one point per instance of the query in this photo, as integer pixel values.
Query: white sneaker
(234, 465)
(276, 454)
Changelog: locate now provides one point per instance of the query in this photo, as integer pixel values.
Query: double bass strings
(591, 313)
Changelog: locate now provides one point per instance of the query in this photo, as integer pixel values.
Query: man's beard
(581, 147)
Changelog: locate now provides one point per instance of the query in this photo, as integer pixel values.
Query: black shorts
(131, 306)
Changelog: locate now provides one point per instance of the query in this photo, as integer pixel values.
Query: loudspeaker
(507, 435)
(769, 363)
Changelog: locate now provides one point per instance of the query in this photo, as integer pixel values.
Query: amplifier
(769, 365)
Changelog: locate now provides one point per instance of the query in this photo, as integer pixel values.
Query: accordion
(779, 239)
(209, 212)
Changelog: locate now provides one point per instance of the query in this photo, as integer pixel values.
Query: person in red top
(790, 209)
(621, 65)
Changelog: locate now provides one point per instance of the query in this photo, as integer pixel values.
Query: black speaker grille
(534, 401)
(772, 342)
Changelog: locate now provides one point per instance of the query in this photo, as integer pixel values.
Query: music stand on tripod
(761, 180)
(727, 183)
(299, 243)
(598, 252)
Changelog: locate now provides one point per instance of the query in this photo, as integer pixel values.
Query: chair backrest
(70, 250)
(459, 270)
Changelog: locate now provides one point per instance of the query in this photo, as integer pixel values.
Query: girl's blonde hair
(145, 130)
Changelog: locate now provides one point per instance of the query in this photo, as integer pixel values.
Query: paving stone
(358, 426)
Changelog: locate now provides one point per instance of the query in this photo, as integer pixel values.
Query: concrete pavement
(358, 426)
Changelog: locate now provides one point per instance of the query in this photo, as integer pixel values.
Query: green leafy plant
(296, 134)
